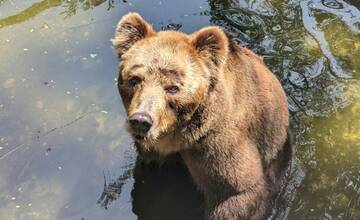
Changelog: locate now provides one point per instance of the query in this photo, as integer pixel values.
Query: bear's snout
(140, 123)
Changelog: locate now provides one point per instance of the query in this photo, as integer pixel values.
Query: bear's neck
(208, 114)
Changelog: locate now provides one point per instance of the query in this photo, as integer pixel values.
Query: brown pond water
(62, 137)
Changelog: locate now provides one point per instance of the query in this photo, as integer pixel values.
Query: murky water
(64, 153)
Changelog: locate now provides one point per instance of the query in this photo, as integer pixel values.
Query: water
(62, 138)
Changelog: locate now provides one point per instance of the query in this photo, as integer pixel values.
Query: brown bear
(213, 102)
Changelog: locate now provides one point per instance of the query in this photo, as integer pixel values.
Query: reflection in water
(70, 9)
(332, 186)
(112, 190)
(348, 14)
(159, 193)
(62, 120)
(290, 52)
(29, 12)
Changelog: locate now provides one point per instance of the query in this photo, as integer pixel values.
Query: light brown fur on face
(160, 59)
(228, 119)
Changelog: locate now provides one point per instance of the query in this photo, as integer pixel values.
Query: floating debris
(68, 92)
(39, 104)
(105, 112)
(45, 26)
(172, 26)
(25, 49)
(93, 55)
(276, 28)
(9, 83)
(287, 49)
(51, 83)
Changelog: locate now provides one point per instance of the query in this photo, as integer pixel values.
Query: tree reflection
(275, 30)
(30, 12)
(70, 9)
(72, 6)
(331, 153)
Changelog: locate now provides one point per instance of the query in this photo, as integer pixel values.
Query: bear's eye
(172, 89)
(134, 80)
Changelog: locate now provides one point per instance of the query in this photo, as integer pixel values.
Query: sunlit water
(62, 137)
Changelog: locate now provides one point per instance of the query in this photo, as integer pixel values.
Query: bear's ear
(211, 43)
(130, 29)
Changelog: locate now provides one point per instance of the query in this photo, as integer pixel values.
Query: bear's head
(165, 76)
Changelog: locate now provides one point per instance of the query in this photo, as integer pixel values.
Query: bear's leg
(251, 205)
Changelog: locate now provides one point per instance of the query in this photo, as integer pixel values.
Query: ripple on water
(332, 4)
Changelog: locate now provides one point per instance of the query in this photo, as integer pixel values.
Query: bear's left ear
(211, 43)
(130, 29)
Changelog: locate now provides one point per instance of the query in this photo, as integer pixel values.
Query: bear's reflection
(159, 192)
(168, 192)
(165, 192)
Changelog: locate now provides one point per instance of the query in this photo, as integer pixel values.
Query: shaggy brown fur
(227, 116)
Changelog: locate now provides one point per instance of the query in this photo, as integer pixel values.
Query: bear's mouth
(139, 137)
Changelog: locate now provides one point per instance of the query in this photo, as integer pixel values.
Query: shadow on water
(165, 192)
(62, 142)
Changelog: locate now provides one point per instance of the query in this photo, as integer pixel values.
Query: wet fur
(230, 122)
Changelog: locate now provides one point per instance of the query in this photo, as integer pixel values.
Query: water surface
(62, 137)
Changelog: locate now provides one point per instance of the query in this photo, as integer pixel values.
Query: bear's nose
(140, 122)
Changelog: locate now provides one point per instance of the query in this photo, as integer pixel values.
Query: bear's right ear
(130, 29)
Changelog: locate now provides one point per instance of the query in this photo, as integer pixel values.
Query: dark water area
(64, 152)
